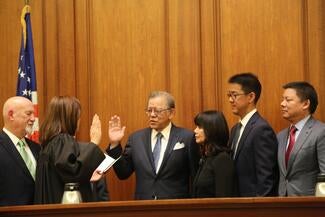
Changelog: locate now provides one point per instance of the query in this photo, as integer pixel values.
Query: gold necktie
(26, 158)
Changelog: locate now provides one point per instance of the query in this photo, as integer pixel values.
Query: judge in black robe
(62, 159)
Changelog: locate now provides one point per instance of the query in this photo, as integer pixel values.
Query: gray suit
(307, 159)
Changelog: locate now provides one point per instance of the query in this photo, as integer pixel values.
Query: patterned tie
(156, 150)
(26, 158)
(235, 140)
(292, 135)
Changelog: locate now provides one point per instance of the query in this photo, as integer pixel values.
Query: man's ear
(172, 113)
(10, 114)
(251, 96)
(306, 104)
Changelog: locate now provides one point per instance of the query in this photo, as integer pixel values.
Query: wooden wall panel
(260, 37)
(184, 59)
(315, 39)
(59, 48)
(82, 68)
(10, 38)
(66, 46)
(51, 54)
(209, 21)
(127, 61)
(111, 54)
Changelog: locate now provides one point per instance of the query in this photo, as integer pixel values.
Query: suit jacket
(256, 159)
(172, 180)
(215, 177)
(16, 182)
(306, 160)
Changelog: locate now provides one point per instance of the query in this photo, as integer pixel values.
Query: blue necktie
(156, 150)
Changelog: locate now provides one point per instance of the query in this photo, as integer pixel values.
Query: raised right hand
(95, 130)
(115, 131)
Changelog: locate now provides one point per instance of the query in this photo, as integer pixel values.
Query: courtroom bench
(220, 207)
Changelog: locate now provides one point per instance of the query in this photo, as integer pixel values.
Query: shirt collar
(248, 116)
(12, 137)
(302, 123)
(165, 132)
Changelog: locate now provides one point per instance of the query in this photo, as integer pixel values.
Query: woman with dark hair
(62, 159)
(216, 176)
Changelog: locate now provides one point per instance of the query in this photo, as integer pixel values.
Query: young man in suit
(301, 154)
(253, 141)
(18, 154)
(164, 157)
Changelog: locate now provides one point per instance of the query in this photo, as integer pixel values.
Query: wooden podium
(221, 207)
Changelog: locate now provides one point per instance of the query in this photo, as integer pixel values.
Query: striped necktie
(156, 150)
(27, 158)
(292, 135)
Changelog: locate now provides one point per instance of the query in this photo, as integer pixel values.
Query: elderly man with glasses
(163, 156)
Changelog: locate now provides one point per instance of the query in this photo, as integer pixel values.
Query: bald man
(18, 154)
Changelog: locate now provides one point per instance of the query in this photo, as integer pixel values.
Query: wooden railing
(222, 207)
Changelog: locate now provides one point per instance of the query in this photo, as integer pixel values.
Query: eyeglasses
(234, 95)
(155, 111)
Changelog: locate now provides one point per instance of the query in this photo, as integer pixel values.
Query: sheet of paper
(106, 163)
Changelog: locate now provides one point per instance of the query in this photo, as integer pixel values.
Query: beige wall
(112, 53)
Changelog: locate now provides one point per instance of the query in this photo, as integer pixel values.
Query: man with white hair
(18, 154)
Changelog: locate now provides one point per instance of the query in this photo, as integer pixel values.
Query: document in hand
(106, 164)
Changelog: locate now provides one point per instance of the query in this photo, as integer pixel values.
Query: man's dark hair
(249, 83)
(305, 91)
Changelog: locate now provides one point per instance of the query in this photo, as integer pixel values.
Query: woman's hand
(96, 176)
(95, 130)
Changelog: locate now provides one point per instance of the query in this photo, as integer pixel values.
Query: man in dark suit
(254, 144)
(17, 154)
(164, 157)
(301, 153)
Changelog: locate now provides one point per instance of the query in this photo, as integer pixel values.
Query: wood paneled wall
(111, 54)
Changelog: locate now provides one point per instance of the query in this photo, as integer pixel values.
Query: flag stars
(25, 92)
(19, 70)
(22, 74)
(28, 79)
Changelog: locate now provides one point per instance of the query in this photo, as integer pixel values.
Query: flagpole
(26, 85)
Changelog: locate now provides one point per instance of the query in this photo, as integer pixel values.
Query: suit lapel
(282, 150)
(232, 135)
(147, 143)
(231, 138)
(303, 135)
(13, 152)
(246, 132)
(32, 147)
(173, 139)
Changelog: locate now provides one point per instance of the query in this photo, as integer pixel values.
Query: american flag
(26, 85)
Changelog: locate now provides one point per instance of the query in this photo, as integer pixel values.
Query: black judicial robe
(64, 160)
